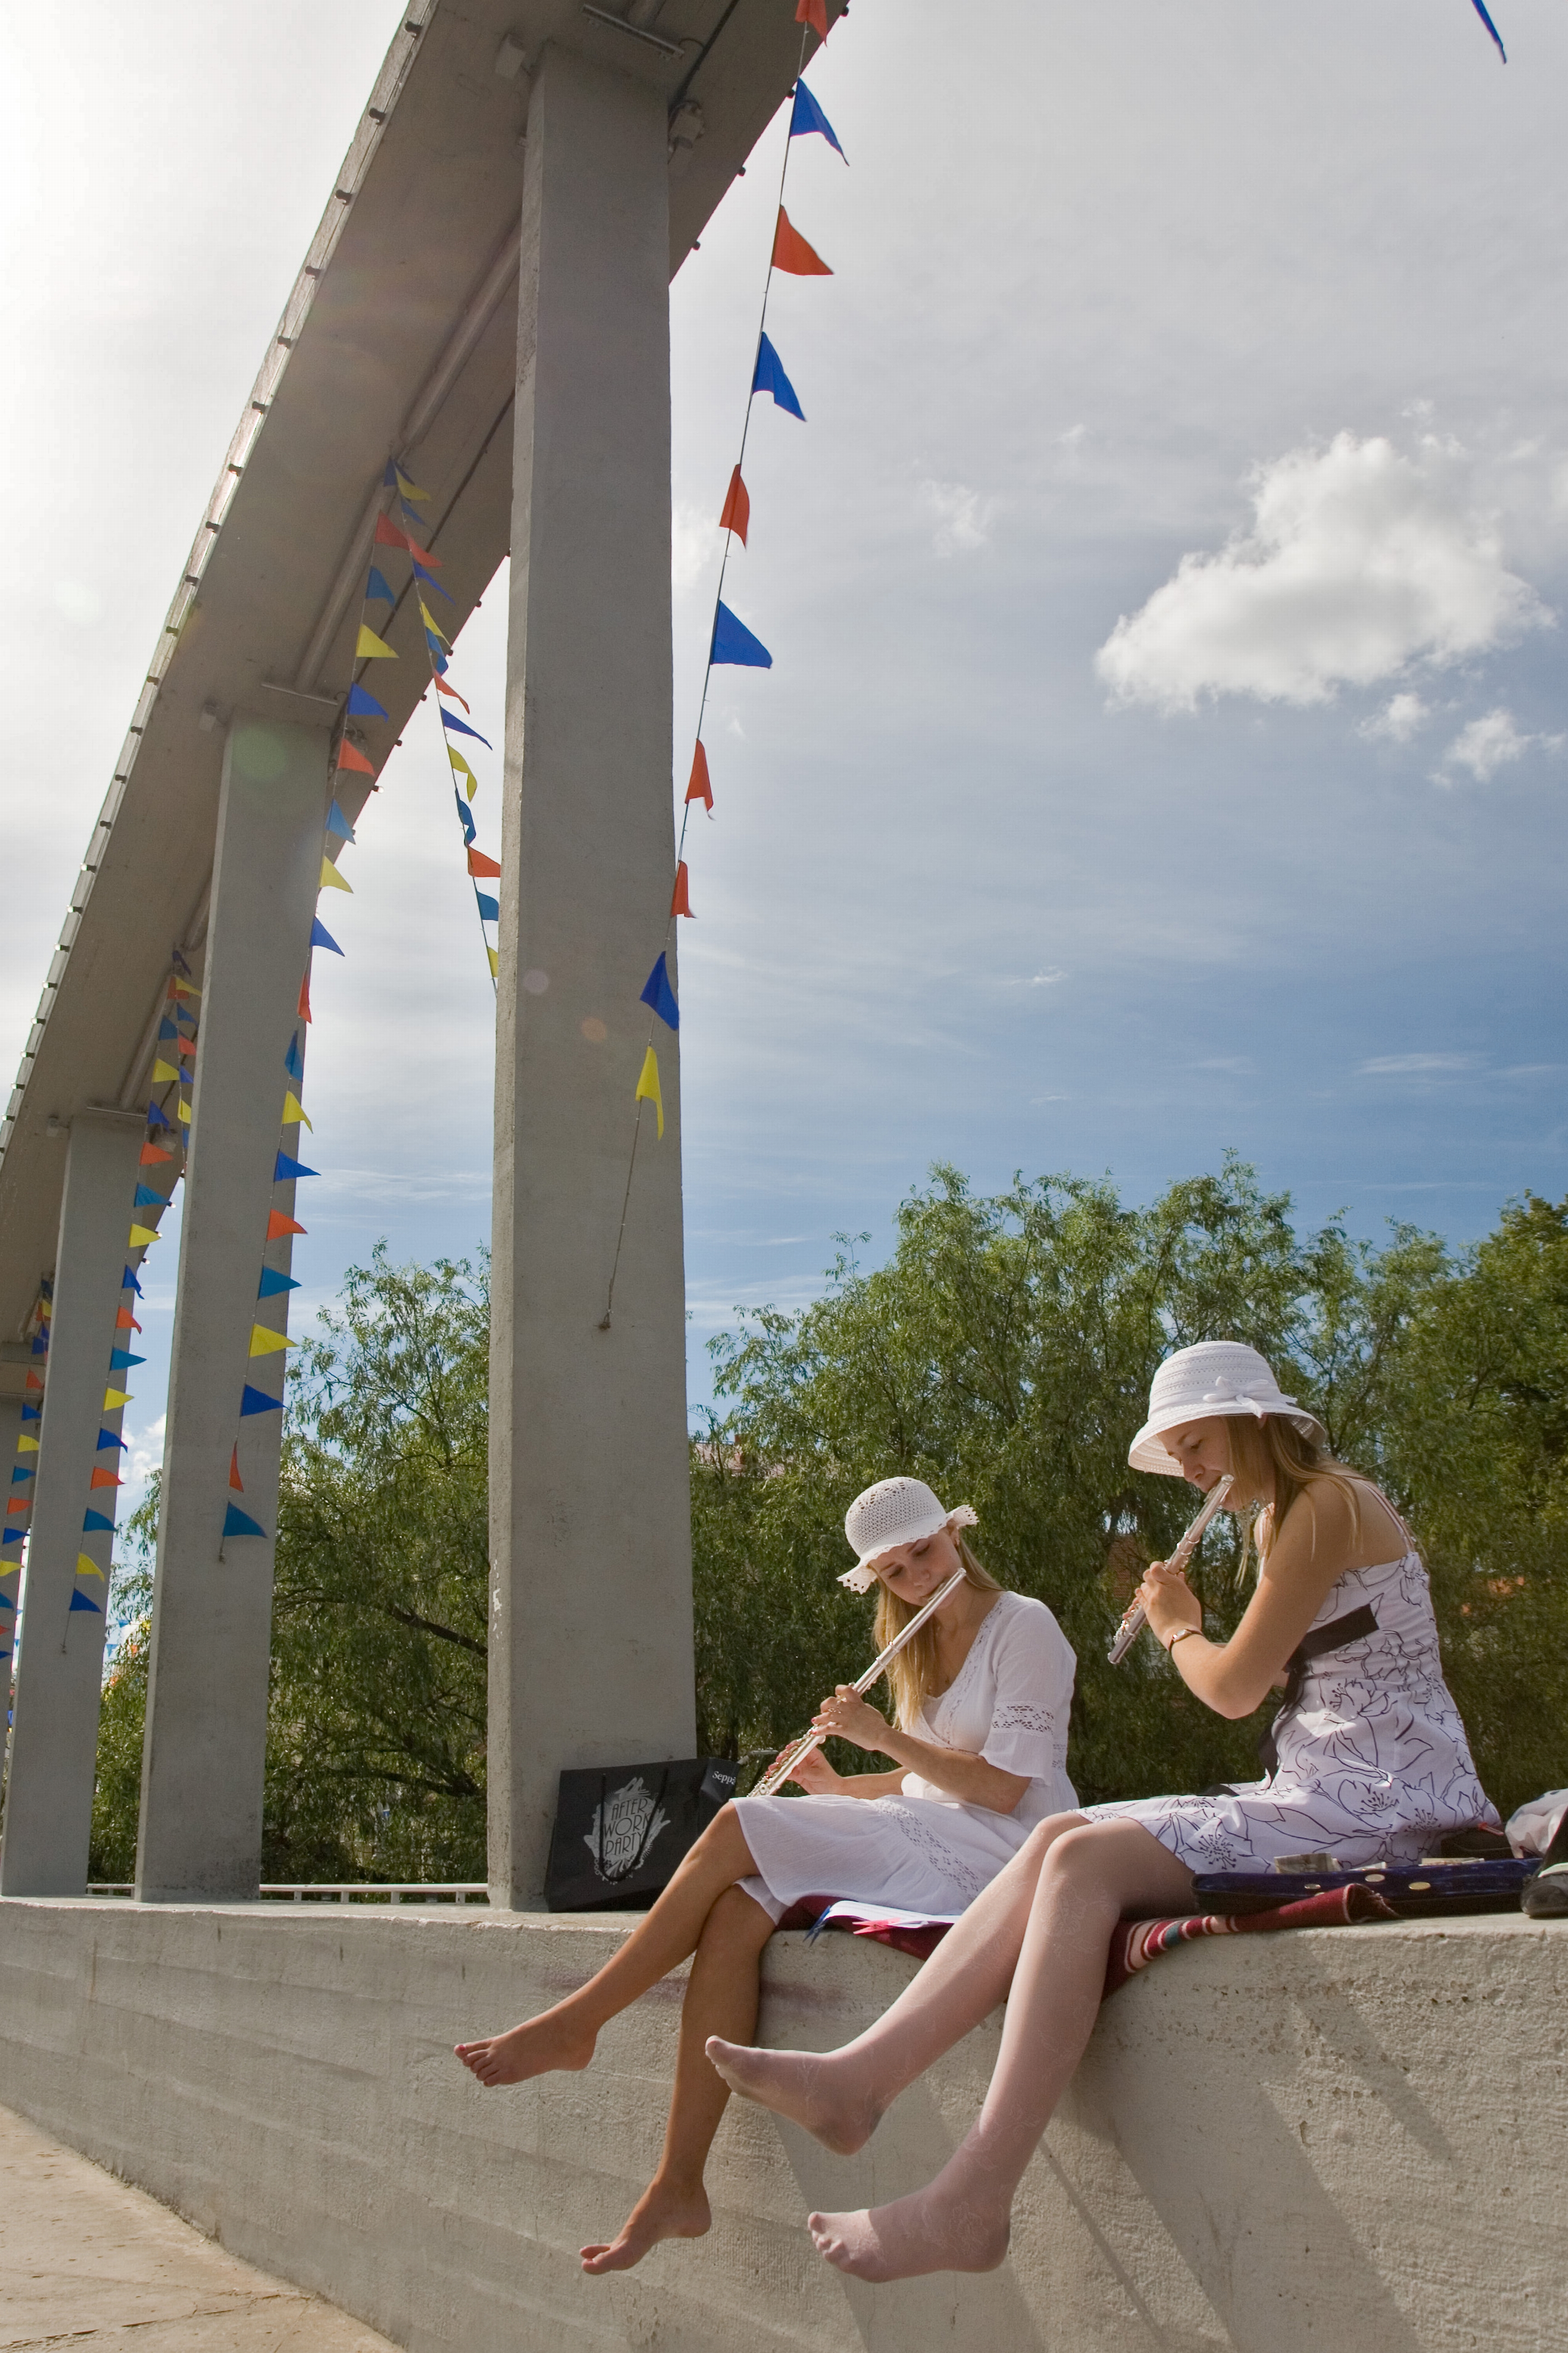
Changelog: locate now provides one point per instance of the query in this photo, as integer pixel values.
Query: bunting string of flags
(423, 569)
(24, 1466)
(730, 642)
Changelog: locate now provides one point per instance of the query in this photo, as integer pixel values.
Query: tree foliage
(1004, 1353)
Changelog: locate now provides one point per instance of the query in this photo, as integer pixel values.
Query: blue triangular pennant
(807, 116)
(293, 1060)
(338, 823)
(23, 1470)
(377, 591)
(734, 643)
(121, 1360)
(470, 830)
(286, 1169)
(80, 1601)
(389, 479)
(257, 1401)
(97, 1520)
(490, 909)
(456, 726)
(236, 1523)
(431, 582)
(322, 938)
(168, 1029)
(658, 993)
(155, 1117)
(130, 1282)
(770, 378)
(147, 1199)
(32, 1413)
(272, 1283)
(362, 704)
(108, 1438)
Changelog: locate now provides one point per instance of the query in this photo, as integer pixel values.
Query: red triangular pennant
(681, 905)
(737, 512)
(701, 788)
(480, 864)
(305, 995)
(793, 255)
(388, 535)
(235, 1481)
(348, 757)
(278, 1224)
(106, 1479)
(815, 14)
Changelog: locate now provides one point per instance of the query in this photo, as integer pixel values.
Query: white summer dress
(923, 1851)
(1372, 1762)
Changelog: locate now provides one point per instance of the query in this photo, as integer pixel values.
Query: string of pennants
(20, 1498)
(730, 642)
(369, 648)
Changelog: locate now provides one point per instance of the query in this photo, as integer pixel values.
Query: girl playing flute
(982, 1694)
(1367, 1758)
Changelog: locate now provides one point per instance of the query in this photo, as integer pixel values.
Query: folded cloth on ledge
(1135, 1943)
(1138, 1942)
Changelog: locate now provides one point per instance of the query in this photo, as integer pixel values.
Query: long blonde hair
(1275, 1450)
(912, 1675)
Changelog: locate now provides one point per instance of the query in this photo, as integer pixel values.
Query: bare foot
(538, 2047)
(664, 2211)
(927, 2233)
(807, 2087)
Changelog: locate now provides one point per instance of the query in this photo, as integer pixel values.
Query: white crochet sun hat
(893, 1512)
(1218, 1377)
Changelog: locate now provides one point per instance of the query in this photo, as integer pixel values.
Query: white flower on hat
(1217, 1377)
(894, 1511)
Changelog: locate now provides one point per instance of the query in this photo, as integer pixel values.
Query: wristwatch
(1181, 1637)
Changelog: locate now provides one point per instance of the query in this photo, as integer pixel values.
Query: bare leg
(840, 2095)
(565, 2036)
(1090, 1878)
(721, 1999)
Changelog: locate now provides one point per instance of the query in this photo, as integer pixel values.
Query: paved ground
(86, 2264)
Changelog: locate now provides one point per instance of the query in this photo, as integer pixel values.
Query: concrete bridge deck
(1352, 2138)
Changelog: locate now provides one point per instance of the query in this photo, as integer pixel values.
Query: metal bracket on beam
(637, 32)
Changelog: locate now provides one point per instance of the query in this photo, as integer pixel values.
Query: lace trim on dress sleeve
(1014, 1716)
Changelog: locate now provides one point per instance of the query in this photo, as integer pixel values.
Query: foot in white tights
(810, 2090)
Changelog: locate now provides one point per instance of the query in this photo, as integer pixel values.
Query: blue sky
(1164, 747)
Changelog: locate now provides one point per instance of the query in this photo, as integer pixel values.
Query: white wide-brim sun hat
(1218, 1377)
(894, 1511)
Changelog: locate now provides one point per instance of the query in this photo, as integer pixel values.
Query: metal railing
(345, 1891)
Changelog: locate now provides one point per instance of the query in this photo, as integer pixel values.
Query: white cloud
(1489, 744)
(693, 545)
(1392, 1066)
(1360, 559)
(964, 517)
(1401, 716)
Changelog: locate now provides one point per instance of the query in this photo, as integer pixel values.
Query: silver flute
(1137, 1618)
(781, 1770)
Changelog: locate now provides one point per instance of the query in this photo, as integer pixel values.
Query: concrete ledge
(1349, 2139)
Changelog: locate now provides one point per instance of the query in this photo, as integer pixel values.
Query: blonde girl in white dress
(982, 1696)
(1367, 1758)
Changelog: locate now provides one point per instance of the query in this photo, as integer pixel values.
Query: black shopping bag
(621, 1830)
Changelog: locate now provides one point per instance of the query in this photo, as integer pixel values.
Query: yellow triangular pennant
(26, 1446)
(369, 647)
(495, 960)
(111, 1397)
(432, 624)
(410, 490)
(185, 1113)
(294, 1112)
(264, 1343)
(332, 879)
(647, 1086)
(142, 1237)
(163, 1072)
(85, 1567)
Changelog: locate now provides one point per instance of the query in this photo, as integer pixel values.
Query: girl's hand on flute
(1169, 1602)
(816, 1776)
(850, 1717)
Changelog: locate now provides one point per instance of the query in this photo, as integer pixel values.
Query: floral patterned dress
(1370, 1762)
(923, 1850)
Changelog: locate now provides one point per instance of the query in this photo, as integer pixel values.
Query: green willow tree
(1004, 1353)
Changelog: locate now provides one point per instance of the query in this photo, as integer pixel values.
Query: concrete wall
(1351, 2141)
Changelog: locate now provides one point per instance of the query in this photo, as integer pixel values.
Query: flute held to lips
(1133, 1625)
(783, 1765)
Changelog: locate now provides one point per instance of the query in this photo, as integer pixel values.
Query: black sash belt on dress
(1316, 1644)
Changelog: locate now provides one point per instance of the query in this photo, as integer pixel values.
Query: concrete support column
(591, 1657)
(204, 1751)
(54, 1747)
